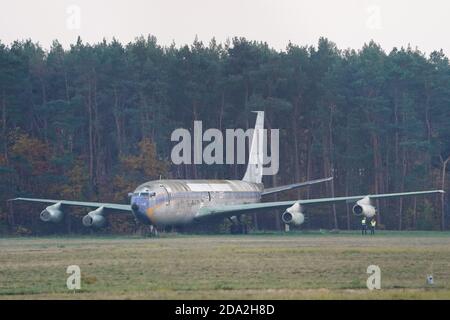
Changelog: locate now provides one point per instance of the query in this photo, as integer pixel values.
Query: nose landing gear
(148, 231)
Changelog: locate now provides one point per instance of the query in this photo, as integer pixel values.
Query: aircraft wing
(231, 210)
(120, 207)
(293, 186)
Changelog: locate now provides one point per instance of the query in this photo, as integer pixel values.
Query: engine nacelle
(94, 218)
(364, 207)
(293, 215)
(52, 213)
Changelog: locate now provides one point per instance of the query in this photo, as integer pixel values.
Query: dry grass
(230, 267)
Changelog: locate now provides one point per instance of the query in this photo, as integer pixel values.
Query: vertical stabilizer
(254, 171)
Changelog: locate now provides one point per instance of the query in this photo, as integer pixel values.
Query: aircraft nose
(139, 212)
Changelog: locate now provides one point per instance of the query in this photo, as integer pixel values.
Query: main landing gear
(237, 227)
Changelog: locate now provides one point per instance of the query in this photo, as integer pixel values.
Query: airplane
(162, 203)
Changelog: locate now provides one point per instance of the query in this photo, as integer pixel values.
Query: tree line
(93, 121)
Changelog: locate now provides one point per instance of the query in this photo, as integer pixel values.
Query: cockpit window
(147, 194)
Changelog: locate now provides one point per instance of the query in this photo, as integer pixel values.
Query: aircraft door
(205, 197)
(167, 194)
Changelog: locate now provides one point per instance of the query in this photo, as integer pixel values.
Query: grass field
(311, 265)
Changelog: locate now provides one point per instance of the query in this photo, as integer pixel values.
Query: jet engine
(94, 218)
(293, 215)
(52, 213)
(364, 207)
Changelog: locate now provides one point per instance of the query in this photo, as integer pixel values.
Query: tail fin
(254, 171)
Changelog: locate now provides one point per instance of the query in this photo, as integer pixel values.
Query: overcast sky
(348, 23)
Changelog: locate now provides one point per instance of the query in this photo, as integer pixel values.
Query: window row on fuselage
(206, 196)
(215, 195)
